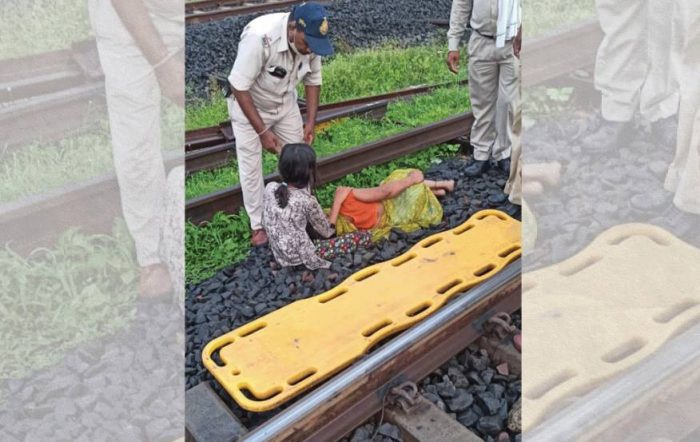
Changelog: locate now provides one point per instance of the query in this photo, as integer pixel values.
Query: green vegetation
(225, 239)
(357, 74)
(542, 17)
(349, 133)
(53, 300)
(34, 26)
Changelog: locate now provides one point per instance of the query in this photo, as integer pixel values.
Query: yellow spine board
(280, 355)
(601, 311)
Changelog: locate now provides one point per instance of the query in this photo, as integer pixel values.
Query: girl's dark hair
(297, 165)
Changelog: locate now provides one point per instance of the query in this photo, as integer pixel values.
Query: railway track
(37, 220)
(36, 90)
(210, 10)
(348, 399)
(214, 146)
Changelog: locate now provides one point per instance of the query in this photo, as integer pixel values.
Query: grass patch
(34, 26)
(541, 17)
(349, 133)
(54, 299)
(358, 74)
(225, 240)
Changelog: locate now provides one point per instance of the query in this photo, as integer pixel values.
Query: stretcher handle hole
(431, 241)
(460, 230)
(362, 275)
(550, 384)
(576, 267)
(403, 259)
(216, 357)
(509, 251)
(269, 394)
(300, 377)
(498, 215)
(484, 270)
(669, 314)
(445, 288)
(376, 327)
(624, 351)
(338, 291)
(650, 234)
(420, 308)
(249, 329)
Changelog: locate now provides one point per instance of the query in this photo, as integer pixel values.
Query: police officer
(494, 69)
(275, 53)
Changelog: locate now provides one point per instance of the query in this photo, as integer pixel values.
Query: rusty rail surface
(47, 95)
(216, 146)
(211, 10)
(201, 209)
(347, 400)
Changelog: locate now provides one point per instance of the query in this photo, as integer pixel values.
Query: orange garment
(363, 215)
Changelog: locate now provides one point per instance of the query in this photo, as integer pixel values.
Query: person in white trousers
(276, 52)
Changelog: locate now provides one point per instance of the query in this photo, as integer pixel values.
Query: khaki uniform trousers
(494, 94)
(634, 65)
(286, 123)
(683, 176)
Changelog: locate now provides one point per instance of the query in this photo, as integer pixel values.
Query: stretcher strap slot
(420, 308)
(652, 235)
(509, 251)
(368, 332)
(460, 230)
(579, 266)
(486, 214)
(335, 293)
(249, 329)
(265, 395)
(551, 384)
(624, 351)
(445, 288)
(403, 259)
(365, 274)
(484, 270)
(431, 241)
(300, 377)
(674, 311)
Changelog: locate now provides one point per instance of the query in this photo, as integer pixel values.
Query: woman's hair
(297, 165)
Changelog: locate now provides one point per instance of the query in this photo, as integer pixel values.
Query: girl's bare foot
(439, 192)
(416, 176)
(448, 185)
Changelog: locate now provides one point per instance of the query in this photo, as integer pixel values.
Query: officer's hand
(453, 61)
(171, 78)
(518, 42)
(308, 134)
(270, 142)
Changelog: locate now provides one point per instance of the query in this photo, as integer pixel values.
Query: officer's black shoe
(606, 138)
(497, 198)
(682, 224)
(476, 168)
(514, 211)
(664, 132)
(504, 165)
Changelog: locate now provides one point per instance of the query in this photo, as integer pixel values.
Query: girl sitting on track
(289, 208)
(404, 200)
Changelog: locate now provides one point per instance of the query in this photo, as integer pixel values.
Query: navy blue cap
(313, 19)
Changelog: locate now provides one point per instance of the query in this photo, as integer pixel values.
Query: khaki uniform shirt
(480, 15)
(263, 48)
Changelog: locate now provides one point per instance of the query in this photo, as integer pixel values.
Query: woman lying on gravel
(289, 208)
(404, 200)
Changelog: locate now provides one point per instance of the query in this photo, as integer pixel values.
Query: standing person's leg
(483, 91)
(509, 92)
(249, 156)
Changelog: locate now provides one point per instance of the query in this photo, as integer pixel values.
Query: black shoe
(606, 138)
(497, 198)
(681, 224)
(504, 165)
(476, 168)
(514, 211)
(664, 132)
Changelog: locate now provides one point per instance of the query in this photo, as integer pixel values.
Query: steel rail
(196, 12)
(348, 399)
(201, 209)
(221, 134)
(221, 153)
